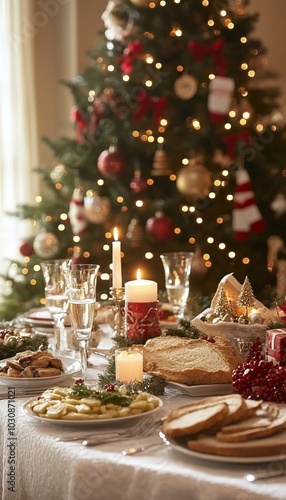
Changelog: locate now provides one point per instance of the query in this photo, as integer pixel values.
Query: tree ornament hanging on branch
(160, 227)
(185, 87)
(96, 208)
(135, 234)
(26, 248)
(46, 245)
(194, 180)
(160, 165)
(246, 216)
(111, 163)
(138, 185)
(220, 98)
(77, 213)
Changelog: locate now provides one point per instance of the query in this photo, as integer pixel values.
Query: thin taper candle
(116, 261)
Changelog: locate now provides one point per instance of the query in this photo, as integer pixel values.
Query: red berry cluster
(258, 378)
(5, 332)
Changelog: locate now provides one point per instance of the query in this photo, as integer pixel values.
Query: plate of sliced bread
(228, 429)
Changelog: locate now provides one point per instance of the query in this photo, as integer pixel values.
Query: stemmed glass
(55, 293)
(177, 269)
(81, 291)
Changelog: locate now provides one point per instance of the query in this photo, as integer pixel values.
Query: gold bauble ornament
(96, 208)
(194, 180)
(46, 245)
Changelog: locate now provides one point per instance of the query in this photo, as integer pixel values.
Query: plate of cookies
(37, 369)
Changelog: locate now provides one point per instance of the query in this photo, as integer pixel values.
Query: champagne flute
(177, 269)
(55, 294)
(81, 291)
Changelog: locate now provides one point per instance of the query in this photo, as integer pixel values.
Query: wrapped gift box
(275, 344)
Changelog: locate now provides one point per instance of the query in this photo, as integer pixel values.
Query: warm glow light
(138, 274)
(115, 234)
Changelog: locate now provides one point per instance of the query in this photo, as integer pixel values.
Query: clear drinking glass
(177, 269)
(81, 290)
(56, 293)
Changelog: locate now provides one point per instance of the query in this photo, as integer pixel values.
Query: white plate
(219, 458)
(76, 423)
(71, 367)
(203, 390)
(40, 317)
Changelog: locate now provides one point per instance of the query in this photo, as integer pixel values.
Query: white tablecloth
(47, 469)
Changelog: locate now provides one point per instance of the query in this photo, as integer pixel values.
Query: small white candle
(141, 290)
(129, 366)
(116, 261)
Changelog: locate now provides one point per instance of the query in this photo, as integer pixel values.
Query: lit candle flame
(115, 234)
(138, 274)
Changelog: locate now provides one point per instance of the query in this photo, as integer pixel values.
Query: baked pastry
(191, 361)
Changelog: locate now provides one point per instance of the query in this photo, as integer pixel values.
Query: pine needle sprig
(184, 329)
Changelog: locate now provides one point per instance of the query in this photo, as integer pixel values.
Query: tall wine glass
(55, 293)
(81, 290)
(177, 269)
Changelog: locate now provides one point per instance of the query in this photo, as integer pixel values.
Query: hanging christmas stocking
(246, 215)
(76, 213)
(220, 98)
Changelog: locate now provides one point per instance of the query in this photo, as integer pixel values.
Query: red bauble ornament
(111, 163)
(160, 227)
(138, 184)
(26, 248)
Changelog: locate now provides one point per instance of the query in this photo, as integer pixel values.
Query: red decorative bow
(130, 53)
(145, 102)
(81, 123)
(201, 50)
(233, 140)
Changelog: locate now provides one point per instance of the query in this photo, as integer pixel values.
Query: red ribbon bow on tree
(234, 140)
(81, 123)
(130, 53)
(145, 102)
(202, 50)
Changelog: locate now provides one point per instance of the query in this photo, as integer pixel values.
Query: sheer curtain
(18, 123)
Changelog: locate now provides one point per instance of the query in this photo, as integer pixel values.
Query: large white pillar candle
(129, 365)
(116, 261)
(141, 290)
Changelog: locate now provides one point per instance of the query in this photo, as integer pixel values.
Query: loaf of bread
(191, 361)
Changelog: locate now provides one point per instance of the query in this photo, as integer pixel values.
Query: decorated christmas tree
(179, 144)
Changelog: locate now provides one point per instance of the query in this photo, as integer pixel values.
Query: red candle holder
(141, 321)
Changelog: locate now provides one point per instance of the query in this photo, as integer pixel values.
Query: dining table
(39, 464)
